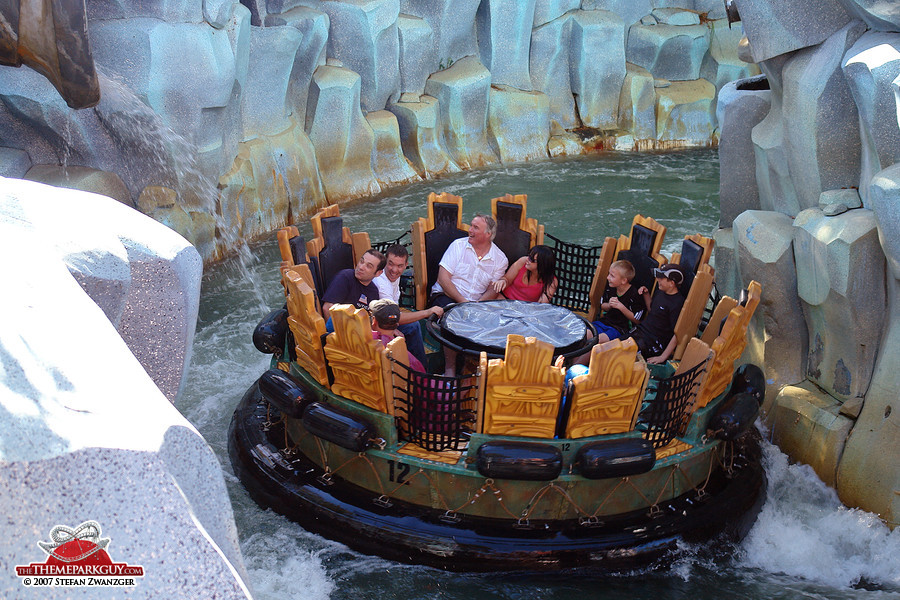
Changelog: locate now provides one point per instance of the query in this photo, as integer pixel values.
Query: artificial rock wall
(225, 119)
(810, 207)
(98, 321)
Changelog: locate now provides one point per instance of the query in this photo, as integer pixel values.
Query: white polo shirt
(469, 274)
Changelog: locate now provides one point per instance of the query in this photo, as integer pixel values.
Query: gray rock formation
(871, 67)
(193, 94)
(776, 29)
(832, 128)
(549, 66)
(504, 40)
(340, 133)
(597, 66)
(637, 103)
(673, 52)
(518, 124)
(104, 320)
(363, 36)
(840, 281)
(819, 115)
(463, 93)
(742, 104)
(763, 242)
(417, 54)
(420, 135)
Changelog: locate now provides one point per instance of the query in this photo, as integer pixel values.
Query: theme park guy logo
(78, 558)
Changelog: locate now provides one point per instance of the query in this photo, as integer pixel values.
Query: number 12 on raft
(397, 472)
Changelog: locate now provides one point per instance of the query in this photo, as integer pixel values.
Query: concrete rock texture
(826, 167)
(190, 91)
(125, 292)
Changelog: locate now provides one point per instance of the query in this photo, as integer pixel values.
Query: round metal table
(473, 327)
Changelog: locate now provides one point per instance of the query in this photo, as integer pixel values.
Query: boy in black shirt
(622, 305)
(655, 335)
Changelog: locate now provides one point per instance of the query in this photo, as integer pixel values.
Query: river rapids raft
(508, 466)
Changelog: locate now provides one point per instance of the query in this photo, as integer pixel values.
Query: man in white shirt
(470, 265)
(466, 272)
(388, 284)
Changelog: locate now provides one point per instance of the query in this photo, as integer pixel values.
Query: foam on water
(804, 531)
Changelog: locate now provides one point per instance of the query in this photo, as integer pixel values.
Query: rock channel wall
(225, 119)
(98, 321)
(810, 207)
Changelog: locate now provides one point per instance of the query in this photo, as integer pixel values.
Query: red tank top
(519, 290)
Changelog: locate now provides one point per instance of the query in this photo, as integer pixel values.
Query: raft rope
(726, 458)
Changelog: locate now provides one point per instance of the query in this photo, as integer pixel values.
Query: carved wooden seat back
(523, 390)
(431, 236)
(598, 283)
(516, 234)
(305, 322)
(333, 248)
(729, 345)
(692, 312)
(607, 398)
(697, 352)
(358, 362)
(641, 248)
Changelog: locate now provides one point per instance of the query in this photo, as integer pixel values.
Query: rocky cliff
(810, 207)
(226, 119)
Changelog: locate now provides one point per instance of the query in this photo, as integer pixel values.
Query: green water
(804, 545)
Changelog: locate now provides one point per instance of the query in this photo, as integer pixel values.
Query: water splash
(159, 156)
(804, 531)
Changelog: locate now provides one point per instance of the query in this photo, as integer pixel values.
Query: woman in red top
(531, 278)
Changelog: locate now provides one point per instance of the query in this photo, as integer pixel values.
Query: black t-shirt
(659, 324)
(632, 301)
(345, 288)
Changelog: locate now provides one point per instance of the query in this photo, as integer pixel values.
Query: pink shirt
(519, 290)
(385, 339)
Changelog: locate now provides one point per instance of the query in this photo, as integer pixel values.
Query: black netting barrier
(665, 409)
(575, 266)
(433, 411)
(404, 240)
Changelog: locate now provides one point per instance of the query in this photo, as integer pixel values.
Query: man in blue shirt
(354, 286)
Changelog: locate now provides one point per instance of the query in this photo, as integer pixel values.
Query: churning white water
(805, 544)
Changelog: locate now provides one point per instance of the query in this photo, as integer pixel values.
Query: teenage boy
(388, 284)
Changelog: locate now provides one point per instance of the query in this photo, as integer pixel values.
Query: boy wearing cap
(655, 335)
(385, 319)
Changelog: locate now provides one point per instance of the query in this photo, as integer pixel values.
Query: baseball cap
(386, 313)
(669, 271)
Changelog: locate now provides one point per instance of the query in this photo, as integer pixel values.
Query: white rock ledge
(85, 432)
